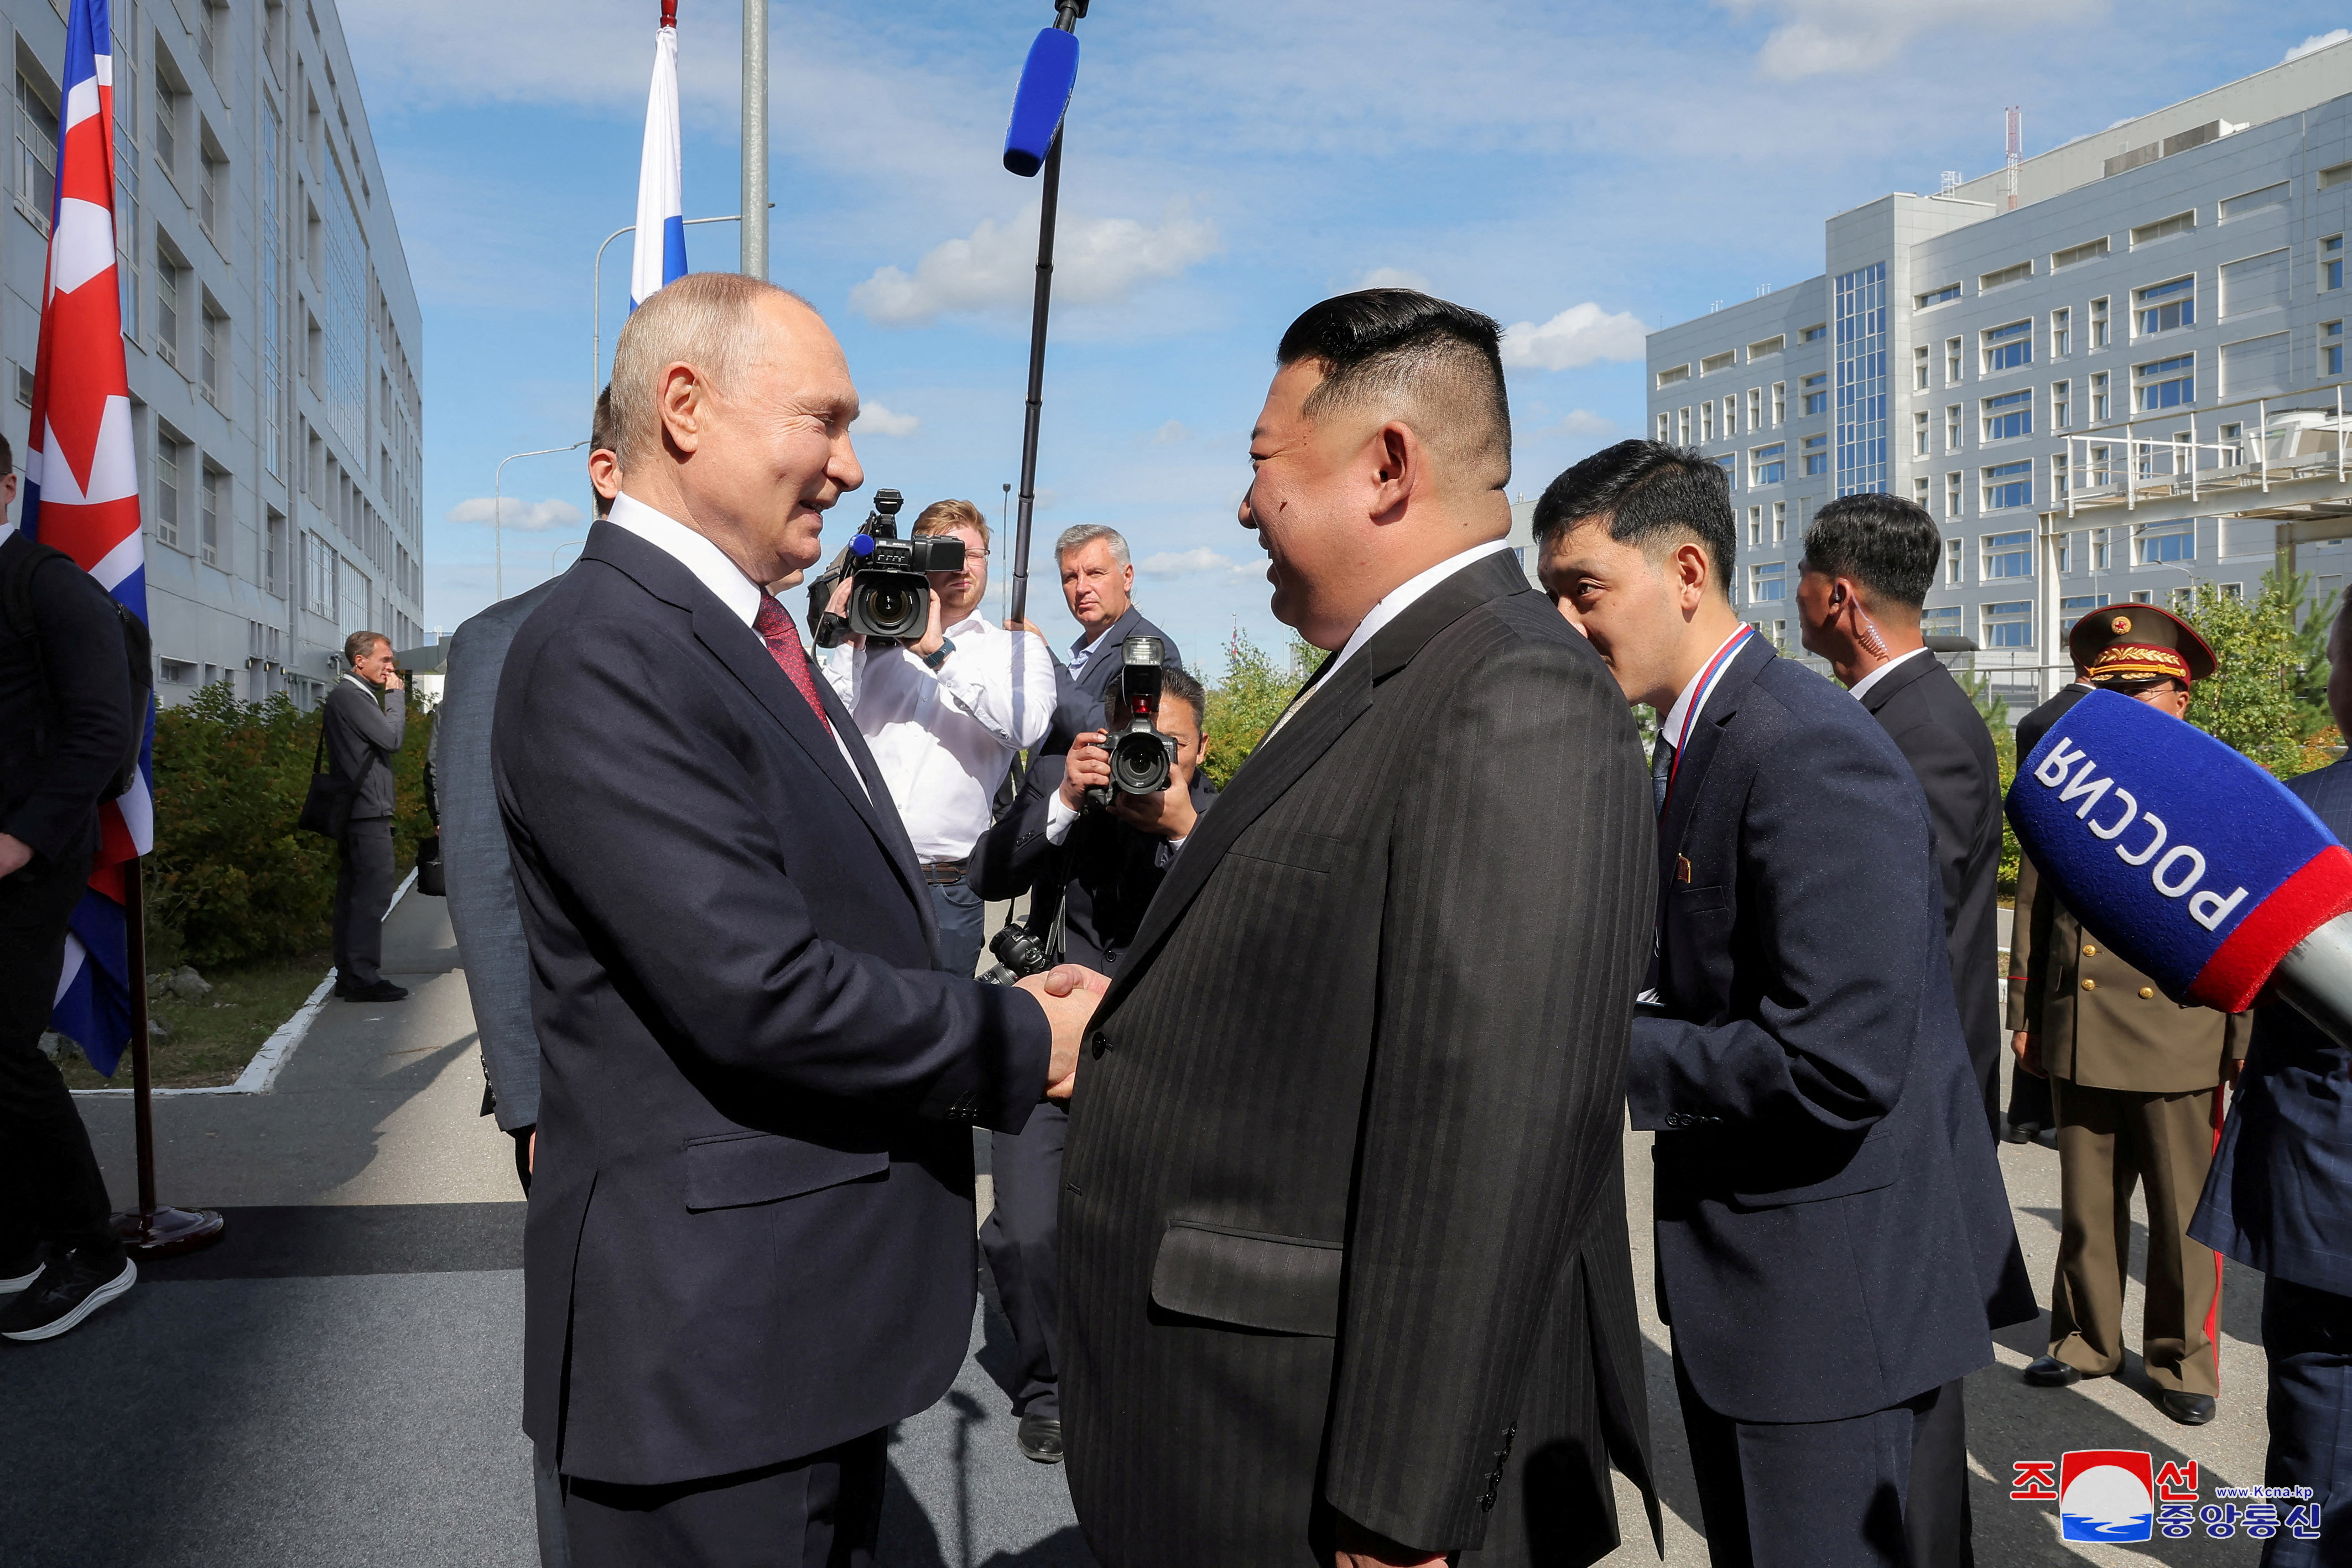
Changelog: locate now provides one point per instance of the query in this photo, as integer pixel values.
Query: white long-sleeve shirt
(944, 740)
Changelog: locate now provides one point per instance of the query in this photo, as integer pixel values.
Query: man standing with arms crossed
(1344, 1266)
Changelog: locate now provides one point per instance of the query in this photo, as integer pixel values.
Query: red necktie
(775, 629)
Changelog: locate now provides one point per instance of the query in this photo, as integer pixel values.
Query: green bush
(232, 880)
(1244, 705)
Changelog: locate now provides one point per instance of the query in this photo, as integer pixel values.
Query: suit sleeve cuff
(999, 1080)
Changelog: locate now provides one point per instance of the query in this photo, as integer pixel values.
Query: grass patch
(212, 1039)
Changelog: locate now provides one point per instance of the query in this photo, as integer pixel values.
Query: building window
(2016, 272)
(1755, 408)
(1767, 583)
(1861, 390)
(2006, 347)
(1769, 464)
(1952, 553)
(1779, 403)
(167, 305)
(2009, 625)
(2232, 453)
(2099, 411)
(2061, 485)
(1814, 389)
(1952, 497)
(2163, 544)
(36, 150)
(1780, 522)
(1919, 433)
(2331, 262)
(1765, 347)
(1729, 463)
(2101, 465)
(1817, 454)
(167, 491)
(2099, 322)
(1707, 422)
(1713, 363)
(2102, 551)
(167, 127)
(1813, 334)
(1951, 427)
(1919, 492)
(273, 549)
(1935, 297)
(1666, 378)
(2331, 348)
(2166, 383)
(2165, 306)
(2062, 405)
(212, 357)
(1919, 368)
(1951, 361)
(2008, 555)
(2010, 415)
(1755, 526)
(212, 502)
(1665, 427)
(1682, 420)
(212, 193)
(2062, 331)
(1731, 417)
(2089, 251)
(2165, 228)
(2009, 485)
(1944, 621)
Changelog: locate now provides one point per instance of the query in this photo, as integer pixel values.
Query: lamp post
(497, 510)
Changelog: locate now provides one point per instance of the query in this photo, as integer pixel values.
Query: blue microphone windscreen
(1045, 84)
(2194, 866)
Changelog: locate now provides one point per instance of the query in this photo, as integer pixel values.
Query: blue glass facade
(1861, 379)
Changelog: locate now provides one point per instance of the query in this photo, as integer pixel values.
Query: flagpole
(754, 238)
(151, 1230)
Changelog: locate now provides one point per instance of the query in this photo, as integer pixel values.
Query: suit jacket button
(1099, 1043)
(2145, 992)
(2090, 985)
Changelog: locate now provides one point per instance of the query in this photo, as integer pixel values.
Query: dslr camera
(1141, 754)
(889, 592)
(1021, 951)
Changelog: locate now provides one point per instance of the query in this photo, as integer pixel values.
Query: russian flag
(660, 256)
(81, 496)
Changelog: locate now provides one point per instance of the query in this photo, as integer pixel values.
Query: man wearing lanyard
(1834, 1243)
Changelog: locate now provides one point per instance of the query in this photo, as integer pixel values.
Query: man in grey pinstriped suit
(1344, 1273)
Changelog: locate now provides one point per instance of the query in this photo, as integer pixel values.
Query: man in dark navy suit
(1098, 585)
(751, 1241)
(1869, 562)
(2279, 1198)
(1834, 1245)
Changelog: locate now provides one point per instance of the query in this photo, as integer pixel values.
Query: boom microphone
(2189, 861)
(1047, 82)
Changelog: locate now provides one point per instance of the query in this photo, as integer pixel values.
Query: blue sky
(1582, 172)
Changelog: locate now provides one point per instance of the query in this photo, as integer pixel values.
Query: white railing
(2285, 443)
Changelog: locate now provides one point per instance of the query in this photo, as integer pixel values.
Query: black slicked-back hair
(1382, 343)
(1173, 683)
(1888, 544)
(1653, 496)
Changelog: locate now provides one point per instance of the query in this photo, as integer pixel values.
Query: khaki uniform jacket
(2102, 1023)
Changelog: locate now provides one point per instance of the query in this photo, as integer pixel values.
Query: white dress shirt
(8, 530)
(1683, 717)
(710, 568)
(1394, 603)
(1060, 820)
(1860, 689)
(944, 740)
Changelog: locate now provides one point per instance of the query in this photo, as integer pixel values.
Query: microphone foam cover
(1045, 84)
(2194, 866)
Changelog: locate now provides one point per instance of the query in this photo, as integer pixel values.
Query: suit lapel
(1340, 697)
(1912, 669)
(1706, 737)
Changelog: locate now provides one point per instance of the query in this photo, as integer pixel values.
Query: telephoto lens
(1020, 952)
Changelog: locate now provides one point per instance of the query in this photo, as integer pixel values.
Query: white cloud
(2317, 42)
(1170, 433)
(874, 419)
(1202, 562)
(1395, 277)
(514, 512)
(1584, 421)
(1579, 335)
(1821, 37)
(1096, 261)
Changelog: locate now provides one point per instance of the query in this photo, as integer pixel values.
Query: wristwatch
(938, 656)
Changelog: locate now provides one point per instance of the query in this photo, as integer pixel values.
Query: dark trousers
(962, 921)
(362, 895)
(1025, 1171)
(2307, 1335)
(823, 1511)
(547, 1503)
(1888, 1489)
(50, 1188)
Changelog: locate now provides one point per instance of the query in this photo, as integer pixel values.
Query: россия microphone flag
(81, 496)
(660, 254)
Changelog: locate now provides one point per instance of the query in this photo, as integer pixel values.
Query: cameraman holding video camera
(944, 713)
(1090, 870)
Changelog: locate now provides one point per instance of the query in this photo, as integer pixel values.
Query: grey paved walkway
(338, 1383)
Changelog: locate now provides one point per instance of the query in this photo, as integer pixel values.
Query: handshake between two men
(1068, 993)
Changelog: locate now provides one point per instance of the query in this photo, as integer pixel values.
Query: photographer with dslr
(945, 702)
(1090, 872)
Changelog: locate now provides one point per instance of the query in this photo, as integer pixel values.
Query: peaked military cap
(2139, 642)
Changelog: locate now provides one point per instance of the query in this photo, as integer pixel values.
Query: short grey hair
(1087, 533)
(703, 319)
(360, 644)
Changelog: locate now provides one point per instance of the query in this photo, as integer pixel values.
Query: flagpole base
(168, 1232)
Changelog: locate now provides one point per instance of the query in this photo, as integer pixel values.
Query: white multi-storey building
(273, 338)
(2113, 375)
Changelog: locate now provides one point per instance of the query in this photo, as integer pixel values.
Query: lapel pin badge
(1682, 869)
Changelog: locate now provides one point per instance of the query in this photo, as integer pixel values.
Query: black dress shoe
(2021, 1132)
(1041, 1438)
(2049, 1372)
(74, 1285)
(2189, 1409)
(382, 991)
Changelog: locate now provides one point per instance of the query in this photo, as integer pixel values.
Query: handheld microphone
(1047, 82)
(2194, 866)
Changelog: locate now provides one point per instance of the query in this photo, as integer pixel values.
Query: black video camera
(1021, 952)
(889, 592)
(1141, 754)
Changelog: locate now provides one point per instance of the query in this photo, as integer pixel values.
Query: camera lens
(889, 604)
(1138, 763)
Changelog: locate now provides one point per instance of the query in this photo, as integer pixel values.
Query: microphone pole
(1067, 15)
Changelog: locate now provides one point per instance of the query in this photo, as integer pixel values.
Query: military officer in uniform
(2135, 1084)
